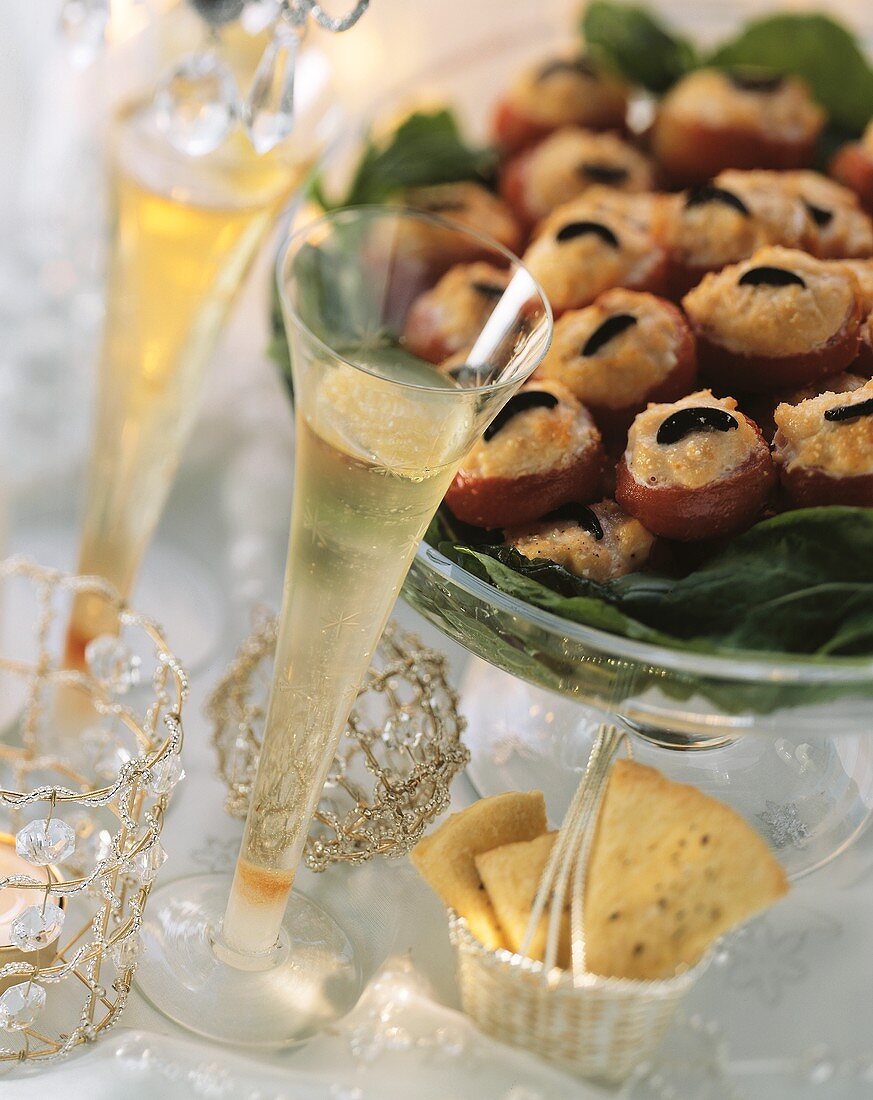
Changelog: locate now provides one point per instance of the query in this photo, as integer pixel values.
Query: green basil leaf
(426, 148)
(634, 42)
(816, 48)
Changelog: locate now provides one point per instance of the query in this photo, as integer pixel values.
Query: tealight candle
(14, 900)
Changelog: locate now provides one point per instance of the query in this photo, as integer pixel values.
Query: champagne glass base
(309, 980)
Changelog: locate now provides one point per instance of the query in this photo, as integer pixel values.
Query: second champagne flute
(379, 437)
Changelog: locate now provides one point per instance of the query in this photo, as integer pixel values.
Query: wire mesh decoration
(88, 760)
(393, 769)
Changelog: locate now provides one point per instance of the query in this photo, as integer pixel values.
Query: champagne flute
(379, 436)
(185, 231)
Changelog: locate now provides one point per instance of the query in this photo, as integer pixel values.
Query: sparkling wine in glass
(185, 231)
(379, 437)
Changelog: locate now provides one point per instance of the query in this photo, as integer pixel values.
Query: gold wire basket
(394, 766)
(593, 1026)
(87, 762)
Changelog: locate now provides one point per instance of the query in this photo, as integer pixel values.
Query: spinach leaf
(632, 41)
(814, 47)
(799, 583)
(427, 148)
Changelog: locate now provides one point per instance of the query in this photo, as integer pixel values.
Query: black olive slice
(572, 230)
(770, 276)
(850, 412)
(580, 65)
(578, 513)
(708, 192)
(755, 80)
(613, 326)
(521, 402)
(489, 290)
(598, 172)
(819, 215)
(695, 418)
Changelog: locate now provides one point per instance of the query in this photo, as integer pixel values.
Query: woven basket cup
(591, 1025)
(602, 1029)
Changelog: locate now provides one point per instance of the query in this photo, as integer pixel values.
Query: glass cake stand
(783, 741)
(786, 742)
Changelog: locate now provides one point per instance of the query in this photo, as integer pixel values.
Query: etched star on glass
(112, 664)
(37, 926)
(20, 1006)
(43, 842)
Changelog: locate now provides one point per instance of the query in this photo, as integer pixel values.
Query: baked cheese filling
(571, 160)
(535, 439)
(598, 542)
(614, 352)
(778, 107)
(585, 247)
(824, 433)
(698, 458)
(570, 89)
(779, 302)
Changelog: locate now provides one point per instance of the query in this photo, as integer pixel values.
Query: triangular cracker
(511, 875)
(670, 870)
(445, 859)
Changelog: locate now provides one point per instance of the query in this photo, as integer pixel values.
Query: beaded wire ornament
(87, 763)
(394, 766)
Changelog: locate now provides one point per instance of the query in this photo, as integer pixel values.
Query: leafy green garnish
(425, 149)
(817, 48)
(809, 45)
(800, 583)
(633, 41)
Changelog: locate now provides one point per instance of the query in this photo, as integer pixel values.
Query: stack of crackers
(669, 871)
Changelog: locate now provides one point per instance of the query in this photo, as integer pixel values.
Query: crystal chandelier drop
(198, 102)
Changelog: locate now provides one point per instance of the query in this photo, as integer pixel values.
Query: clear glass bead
(43, 842)
(126, 952)
(196, 105)
(268, 112)
(37, 926)
(147, 863)
(164, 775)
(112, 664)
(20, 1006)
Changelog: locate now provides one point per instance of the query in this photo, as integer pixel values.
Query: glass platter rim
(529, 31)
(750, 667)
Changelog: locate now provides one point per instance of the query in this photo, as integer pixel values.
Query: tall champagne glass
(379, 437)
(185, 230)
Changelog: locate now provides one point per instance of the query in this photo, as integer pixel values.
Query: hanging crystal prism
(196, 104)
(268, 112)
(147, 863)
(43, 842)
(163, 776)
(37, 926)
(112, 664)
(20, 1006)
(83, 25)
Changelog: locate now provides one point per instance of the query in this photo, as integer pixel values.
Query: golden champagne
(186, 230)
(371, 468)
